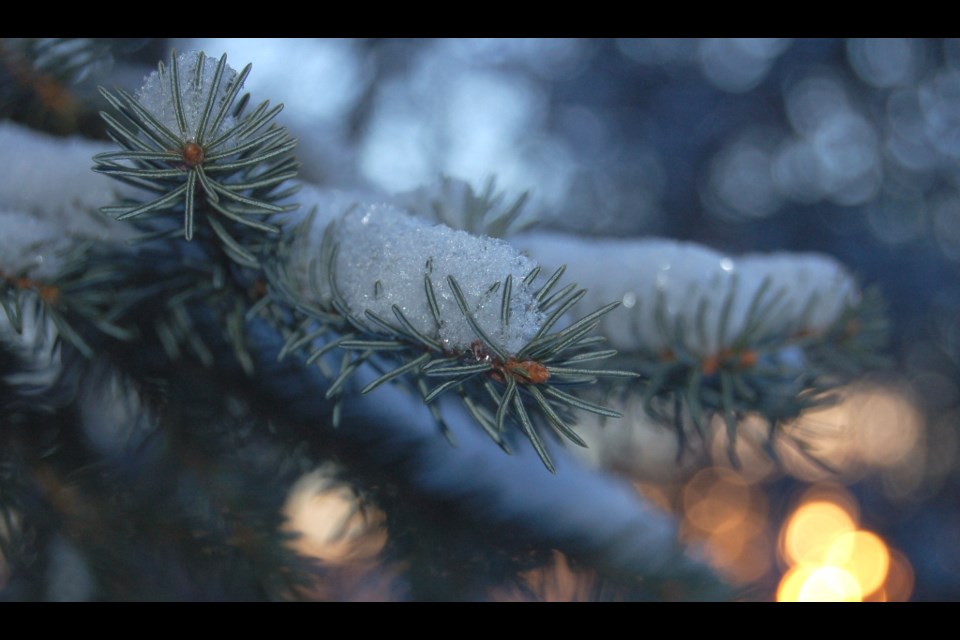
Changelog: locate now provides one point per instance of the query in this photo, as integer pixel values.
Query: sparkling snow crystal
(384, 255)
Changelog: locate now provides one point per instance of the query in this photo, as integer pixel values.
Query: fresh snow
(49, 198)
(675, 292)
(385, 253)
(156, 96)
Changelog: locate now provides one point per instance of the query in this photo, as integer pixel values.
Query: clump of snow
(384, 254)
(156, 96)
(380, 243)
(322, 206)
(51, 179)
(50, 199)
(677, 292)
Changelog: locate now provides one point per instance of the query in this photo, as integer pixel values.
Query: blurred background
(846, 147)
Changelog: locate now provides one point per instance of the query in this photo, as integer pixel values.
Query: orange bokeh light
(862, 554)
(899, 583)
(808, 583)
(811, 530)
(830, 584)
(727, 518)
(716, 500)
(831, 559)
(792, 582)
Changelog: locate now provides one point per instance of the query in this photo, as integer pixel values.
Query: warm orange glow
(808, 583)
(556, 581)
(716, 499)
(727, 518)
(811, 530)
(657, 495)
(830, 584)
(333, 525)
(832, 560)
(874, 427)
(816, 443)
(863, 555)
(835, 493)
(899, 583)
(792, 582)
(741, 555)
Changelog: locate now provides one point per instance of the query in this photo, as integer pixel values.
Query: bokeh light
(738, 64)
(830, 558)
(872, 428)
(826, 584)
(728, 519)
(741, 179)
(863, 555)
(659, 51)
(333, 524)
(900, 579)
(555, 581)
(811, 531)
(486, 120)
(716, 500)
(884, 62)
(332, 63)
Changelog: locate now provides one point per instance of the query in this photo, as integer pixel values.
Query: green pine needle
(204, 173)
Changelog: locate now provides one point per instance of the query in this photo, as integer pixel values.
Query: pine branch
(708, 334)
(447, 337)
(184, 137)
(335, 321)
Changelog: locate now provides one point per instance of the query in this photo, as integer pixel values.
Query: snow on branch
(683, 296)
(461, 313)
(711, 334)
(385, 255)
(49, 198)
(185, 138)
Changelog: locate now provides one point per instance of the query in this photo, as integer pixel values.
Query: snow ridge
(683, 293)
